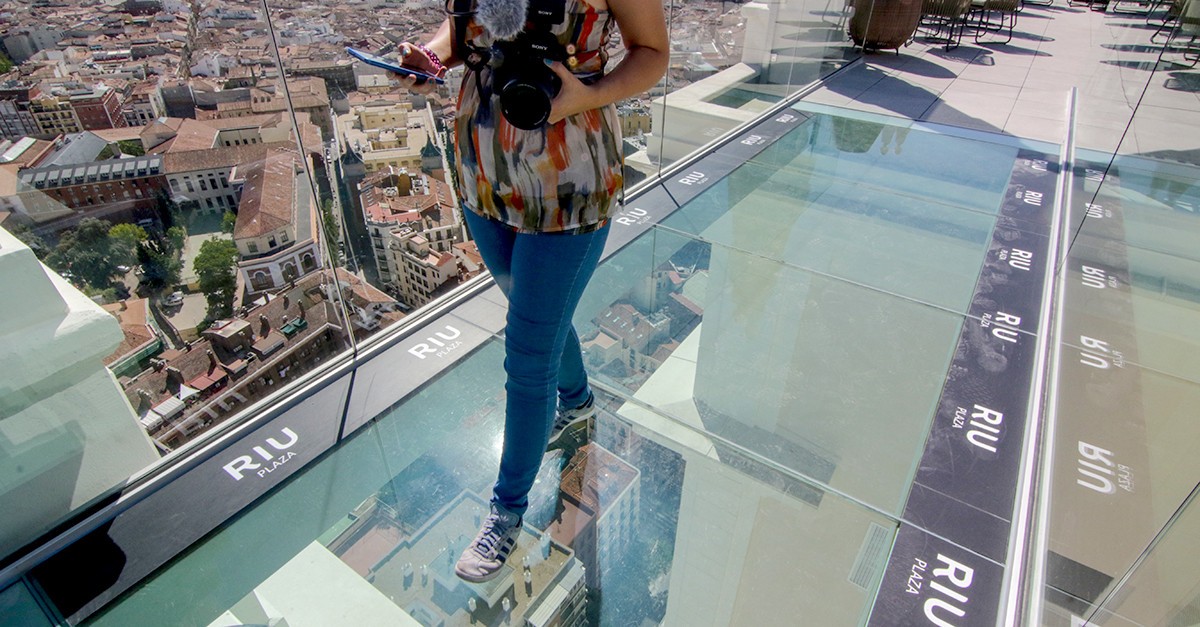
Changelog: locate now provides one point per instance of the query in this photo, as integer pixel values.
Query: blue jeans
(543, 275)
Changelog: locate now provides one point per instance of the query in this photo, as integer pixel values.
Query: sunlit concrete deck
(1021, 88)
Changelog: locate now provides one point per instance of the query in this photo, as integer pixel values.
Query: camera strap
(460, 12)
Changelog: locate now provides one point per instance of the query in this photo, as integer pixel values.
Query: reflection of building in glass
(543, 583)
(638, 332)
(723, 83)
(600, 499)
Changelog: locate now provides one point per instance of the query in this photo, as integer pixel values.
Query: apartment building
(54, 115)
(386, 133)
(276, 229)
(77, 176)
(236, 361)
(98, 107)
(337, 73)
(16, 118)
(413, 228)
(305, 95)
(600, 497)
(144, 105)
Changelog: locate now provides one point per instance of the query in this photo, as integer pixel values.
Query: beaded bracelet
(433, 58)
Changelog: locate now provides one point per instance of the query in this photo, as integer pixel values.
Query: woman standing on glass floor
(538, 187)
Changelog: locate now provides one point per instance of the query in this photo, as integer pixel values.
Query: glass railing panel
(801, 368)
(1122, 468)
(190, 272)
(369, 534)
(1126, 377)
(1140, 241)
(732, 61)
(1161, 588)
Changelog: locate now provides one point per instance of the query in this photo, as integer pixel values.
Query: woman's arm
(442, 45)
(644, 30)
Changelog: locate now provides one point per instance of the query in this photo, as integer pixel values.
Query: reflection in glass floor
(771, 357)
(1126, 397)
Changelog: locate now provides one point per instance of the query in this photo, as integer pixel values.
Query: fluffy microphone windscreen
(502, 18)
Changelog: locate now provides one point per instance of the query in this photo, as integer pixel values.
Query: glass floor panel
(832, 380)
(907, 246)
(890, 154)
(370, 533)
(771, 358)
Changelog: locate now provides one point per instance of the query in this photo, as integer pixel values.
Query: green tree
(32, 240)
(328, 224)
(176, 236)
(215, 268)
(228, 221)
(160, 264)
(131, 147)
(6, 63)
(167, 209)
(87, 252)
(125, 240)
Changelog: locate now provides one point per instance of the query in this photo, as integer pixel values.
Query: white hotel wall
(67, 432)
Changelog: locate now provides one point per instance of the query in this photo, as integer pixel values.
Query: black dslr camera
(520, 75)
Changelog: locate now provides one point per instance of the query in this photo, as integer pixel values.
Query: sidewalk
(1021, 88)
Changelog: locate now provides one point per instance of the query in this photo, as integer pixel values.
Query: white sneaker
(485, 557)
(567, 418)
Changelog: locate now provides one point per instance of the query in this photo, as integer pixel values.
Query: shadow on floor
(1183, 81)
(897, 96)
(922, 67)
(1031, 36)
(1011, 49)
(1145, 66)
(1131, 47)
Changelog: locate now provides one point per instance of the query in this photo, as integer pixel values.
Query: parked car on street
(173, 300)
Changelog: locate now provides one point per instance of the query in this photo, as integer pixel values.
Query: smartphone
(391, 66)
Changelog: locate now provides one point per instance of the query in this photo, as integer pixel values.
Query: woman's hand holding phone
(417, 58)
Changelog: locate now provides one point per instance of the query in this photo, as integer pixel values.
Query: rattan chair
(884, 24)
(994, 16)
(1169, 21)
(944, 21)
(1186, 33)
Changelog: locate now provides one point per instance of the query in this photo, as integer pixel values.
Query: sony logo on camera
(520, 77)
(546, 11)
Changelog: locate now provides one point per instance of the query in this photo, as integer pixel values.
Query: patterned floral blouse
(561, 178)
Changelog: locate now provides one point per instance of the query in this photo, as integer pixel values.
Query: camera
(520, 75)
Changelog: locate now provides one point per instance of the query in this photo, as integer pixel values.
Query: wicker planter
(883, 24)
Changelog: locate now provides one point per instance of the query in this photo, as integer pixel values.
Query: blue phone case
(392, 66)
